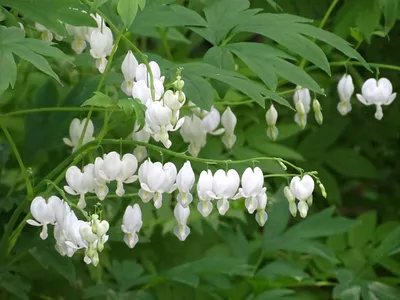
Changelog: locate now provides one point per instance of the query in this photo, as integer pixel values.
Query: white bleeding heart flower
(46, 35)
(131, 224)
(377, 93)
(129, 66)
(228, 121)
(79, 183)
(344, 107)
(141, 72)
(194, 133)
(271, 117)
(158, 122)
(261, 215)
(171, 100)
(224, 187)
(302, 188)
(303, 95)
(75, 131)
(345, 88)
(252, 188)
(67, 235)
(79, 33)
(204, 190)
(156, 179)
(181, 215)
(143, 135)
(101, 188)
(43, 213)
(185, 181)
(211, 121)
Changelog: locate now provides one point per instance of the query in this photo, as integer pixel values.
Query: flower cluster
(100, 39)
(155, 180)
(373, 92)
(197, 126)
(162, 107)
(70, 233)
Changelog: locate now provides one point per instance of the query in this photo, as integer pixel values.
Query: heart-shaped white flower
(302, 188)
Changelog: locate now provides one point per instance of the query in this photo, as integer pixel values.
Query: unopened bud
(100, 246)
(293, 208)
(178, 83)
(323, 191)
(317, 112)
(181, 96)
(271, 116)
(310, 200)
(288, 194)
(301, 120)
(272, 132)
(303, 208)
(95, 259)
(300, 108)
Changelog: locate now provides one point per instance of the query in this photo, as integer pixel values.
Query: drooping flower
(377, 93)
(181, 215)
(302, 102)
(101, 188)
(211, 121)
(205, 193)
(252, 188)
(79, 183)
(43, 214)
(121, 170)
(158, 122)
(131, 224)
(129, 66)
(345, 90)
(228, 120)
(261, 215)
(156, 179)
(224, 187)
(80, 34)
(302, 190)
(194, 133)
(101, 43)
(46, 35)
(75, 131)
(271, 117)
(185, 181)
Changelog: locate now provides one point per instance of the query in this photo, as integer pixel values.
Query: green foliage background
(347, 247)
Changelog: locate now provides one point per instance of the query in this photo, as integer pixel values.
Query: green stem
(163, 33)
(99, 86)
(25, 173)
(356, 63)
(52, 109)
(197, 159)
(321, 25)
(113, 196)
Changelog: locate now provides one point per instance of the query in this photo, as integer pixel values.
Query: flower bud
(317, 112)
(293, 208)
(310, 200)
(272, 132)
(323, 191)
(288, 194)
(303, 208)
(283, 165)
(178, 83)
(300, 108)
(100, 247)
(271, 116)
(95, 259)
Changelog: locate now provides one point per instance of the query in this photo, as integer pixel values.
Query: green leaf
(99, 100)
(220, 57)
(48, 258)
(222, 17)
(127, 9)
(13, 42)
(279, 294)
(49, 13)
(198, 90)
(291, 31)
(15, 285)
(167, 16)
(363, 232)
(368, 18)
(349, 163)
(96, 291)
(388, 245)
(390, 10)
(281, 269)
(321, 224)
(268, 62)
(125, 273)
